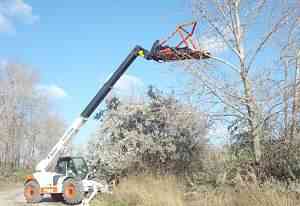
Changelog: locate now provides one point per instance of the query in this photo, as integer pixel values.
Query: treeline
(28, 125)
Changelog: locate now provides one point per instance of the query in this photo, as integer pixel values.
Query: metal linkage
(186, 49)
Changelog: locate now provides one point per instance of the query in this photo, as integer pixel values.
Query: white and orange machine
(70, 181)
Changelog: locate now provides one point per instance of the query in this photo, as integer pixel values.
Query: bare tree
(241, 83)
(28, 127)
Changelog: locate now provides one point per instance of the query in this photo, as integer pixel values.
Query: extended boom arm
(91, 107)
(159, 52)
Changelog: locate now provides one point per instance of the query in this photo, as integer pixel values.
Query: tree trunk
(296, 99)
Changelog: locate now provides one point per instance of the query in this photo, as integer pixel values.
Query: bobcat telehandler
(70, 181)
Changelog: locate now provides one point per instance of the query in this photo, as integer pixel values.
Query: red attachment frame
(190, 49)
(184, 34)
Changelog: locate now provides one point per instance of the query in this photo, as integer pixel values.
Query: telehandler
(70, 181)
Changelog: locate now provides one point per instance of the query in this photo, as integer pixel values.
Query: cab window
(61, 167)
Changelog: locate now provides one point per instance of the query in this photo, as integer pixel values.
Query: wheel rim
(70, 191)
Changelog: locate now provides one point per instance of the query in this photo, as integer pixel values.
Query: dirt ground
(13, 196)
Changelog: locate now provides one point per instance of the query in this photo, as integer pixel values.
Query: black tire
(57, 197)
(72, 192)
(32, 192)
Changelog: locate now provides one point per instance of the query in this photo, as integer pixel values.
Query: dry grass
(165, 191)
(144, 191)
(246, 196)
(11, 178)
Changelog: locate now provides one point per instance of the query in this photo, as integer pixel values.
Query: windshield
(80, 167)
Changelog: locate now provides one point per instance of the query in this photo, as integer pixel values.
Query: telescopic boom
(91, 107)
(160, 52)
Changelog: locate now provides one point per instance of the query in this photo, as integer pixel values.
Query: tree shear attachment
(186, 49)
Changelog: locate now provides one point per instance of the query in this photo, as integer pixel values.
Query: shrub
(162, 134)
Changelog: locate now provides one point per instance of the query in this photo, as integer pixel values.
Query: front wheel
(32, 192)
(72, 191)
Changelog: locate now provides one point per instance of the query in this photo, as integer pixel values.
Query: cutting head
(187, 48)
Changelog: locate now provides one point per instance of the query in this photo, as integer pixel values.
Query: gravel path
(14, 197)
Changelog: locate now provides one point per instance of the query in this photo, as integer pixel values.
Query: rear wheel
(32, 192)
(72, 192)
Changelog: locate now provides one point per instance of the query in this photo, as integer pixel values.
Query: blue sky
(76, 45)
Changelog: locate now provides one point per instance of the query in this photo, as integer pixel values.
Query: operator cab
(72, 167)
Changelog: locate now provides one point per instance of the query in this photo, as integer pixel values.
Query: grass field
(166, 191)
